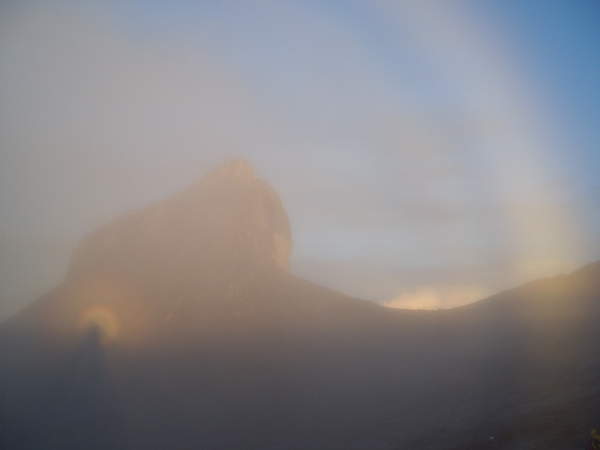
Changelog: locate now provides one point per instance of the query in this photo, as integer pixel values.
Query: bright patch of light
(102, 319)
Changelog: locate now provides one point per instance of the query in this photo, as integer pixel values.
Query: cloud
(96, 120)
(84, 98)
(103, 112)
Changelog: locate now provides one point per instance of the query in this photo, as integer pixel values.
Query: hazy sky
(427, 152)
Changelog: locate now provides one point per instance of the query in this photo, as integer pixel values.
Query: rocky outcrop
(229, 223)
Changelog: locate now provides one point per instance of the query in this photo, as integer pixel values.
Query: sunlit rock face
(231, 223)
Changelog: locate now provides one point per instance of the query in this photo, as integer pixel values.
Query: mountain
(179, 326)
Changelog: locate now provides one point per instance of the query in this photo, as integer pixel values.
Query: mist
(299, 225)
(109, 107)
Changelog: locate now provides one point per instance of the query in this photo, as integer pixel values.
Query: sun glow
(433, 298)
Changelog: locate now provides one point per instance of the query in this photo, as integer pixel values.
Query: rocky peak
(230, 223)
(234, 168)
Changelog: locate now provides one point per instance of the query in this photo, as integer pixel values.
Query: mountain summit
(178, 267)
(230, 220)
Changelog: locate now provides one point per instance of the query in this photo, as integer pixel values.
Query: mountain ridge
(180, 326)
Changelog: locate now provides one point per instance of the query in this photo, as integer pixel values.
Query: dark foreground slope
(179, 327)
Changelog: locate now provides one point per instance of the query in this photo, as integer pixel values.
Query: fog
(413, 154)
(299, 225)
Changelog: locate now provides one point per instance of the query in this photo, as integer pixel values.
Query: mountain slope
(179, 326)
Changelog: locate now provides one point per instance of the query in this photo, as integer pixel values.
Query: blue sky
(557, 45)
(428, 152)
